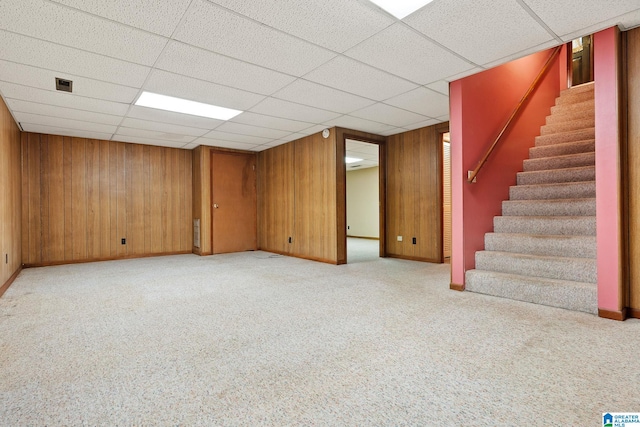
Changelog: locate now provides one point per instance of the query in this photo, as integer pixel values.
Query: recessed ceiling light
(351, 160)
(401, 8)
(179, 105)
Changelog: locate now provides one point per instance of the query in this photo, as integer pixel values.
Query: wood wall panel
(202, 197)
(82, 196)
(633, 166)
(414, 194)
(11, 214)
(275, 184)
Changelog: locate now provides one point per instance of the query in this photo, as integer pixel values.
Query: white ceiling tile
(524, 53)
(441, 86)
(162, 116)
(52, 130)
(464, 74)
(19, 106)
(242, 129)
(313, 129)
(270, 122)
(62, 99)
(190, 146)
(393, 131)
(156, 16)
(69, 27)
(289, 110)
(334, 24)
(319, 96)
(63, 123)
(153, 135)
(38, 53)
(172, 84)
(45, 79)
(389, 115)
(234, 137)
(424, 124)
(481, 31)
(422, 101)
(147, 141)
(357, 123)
(354, 77)
(414, 61)
(444, 118)
(162, 127)
(625, 22)
(224, 144)
(216, 29)
(569, 16)
(201, 64)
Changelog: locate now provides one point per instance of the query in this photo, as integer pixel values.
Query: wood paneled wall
(80, 197)
(633, 166)
(10, 197)
(202, 197)
(297, 198)
(414, 194)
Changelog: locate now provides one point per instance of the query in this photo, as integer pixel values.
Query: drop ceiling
(294, 67)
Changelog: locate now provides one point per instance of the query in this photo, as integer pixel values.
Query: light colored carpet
(254, 339)
(362, 250)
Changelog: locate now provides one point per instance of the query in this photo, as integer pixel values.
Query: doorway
(446, 197)
(581, 61)
(363, 200)
(233, 197)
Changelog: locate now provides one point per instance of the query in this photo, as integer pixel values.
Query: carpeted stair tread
(576, 147)
(575, 225)
(571, 108)
(574, 97)
(542, 244)
(564, 137)
(563, 190)
(553, 207)
(570, 116)
(560, 162)
(585, 87)
(578, 174)
(581, 123)
(551, 267)
(576, 296)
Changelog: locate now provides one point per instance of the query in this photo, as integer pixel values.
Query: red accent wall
(480, 106)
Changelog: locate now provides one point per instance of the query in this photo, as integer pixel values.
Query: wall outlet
(399, 238)
(414, 240)
(6, 258)
(290, 239)
(123, 241)
(348, 227)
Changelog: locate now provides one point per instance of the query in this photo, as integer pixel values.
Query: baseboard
(633, 312)
(613, 315)
(8, 283)
(83, 261)
(413, 258)
(456, 287)
(362, 237)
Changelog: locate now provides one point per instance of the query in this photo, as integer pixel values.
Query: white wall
(363, 210)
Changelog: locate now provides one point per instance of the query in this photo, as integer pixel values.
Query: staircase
(543, 248)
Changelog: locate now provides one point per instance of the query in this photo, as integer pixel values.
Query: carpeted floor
(255, 339)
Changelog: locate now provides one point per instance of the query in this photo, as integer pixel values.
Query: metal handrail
(472, 174)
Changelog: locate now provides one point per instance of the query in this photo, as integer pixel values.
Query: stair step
(550, 267)
(585, 87)
(576, 296)
(564, 137)
(556, 225)
(542, 244)
(557, 207)
(581, 123)
(584, 106)
(562, 149)
(574, 97)
(562, 190)
(560, 162)
(571, 116)
(579, 174)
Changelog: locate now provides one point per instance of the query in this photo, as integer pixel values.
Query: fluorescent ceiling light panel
(401, 8)
(351, 160)
(179, 105)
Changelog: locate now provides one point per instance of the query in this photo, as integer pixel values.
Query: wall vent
(64, 85)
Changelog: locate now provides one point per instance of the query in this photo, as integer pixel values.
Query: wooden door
(633, 168)
(233, 197)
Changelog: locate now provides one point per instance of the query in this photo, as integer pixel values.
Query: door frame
(341, 186)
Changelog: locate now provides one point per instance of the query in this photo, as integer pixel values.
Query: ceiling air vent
(64, 85)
